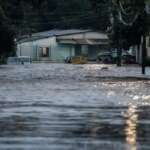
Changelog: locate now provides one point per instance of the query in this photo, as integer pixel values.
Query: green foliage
(102, 10)
(129, 22)
(28, 16)
(6, 37)
(19, 17)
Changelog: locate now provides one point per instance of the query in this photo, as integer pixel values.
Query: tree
(129, 23)
(6, 37)
(102, 10)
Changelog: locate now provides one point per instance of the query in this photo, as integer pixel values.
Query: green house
(56, 45)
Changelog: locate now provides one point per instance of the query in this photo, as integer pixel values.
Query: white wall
(148, 46)
(88, 35)
(84, 50)
(25, 49)
(56, 51)
(148, 52)
(60, 52)
(41, 43)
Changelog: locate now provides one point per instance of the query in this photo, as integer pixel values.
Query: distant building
(56, 45)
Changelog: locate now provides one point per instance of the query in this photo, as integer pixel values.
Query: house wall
(93, 51)
(63, 51)
(42, 43)
(90, 51)
(25, 49)
(84, 50)
(148, 52)
(57, 52)
(148, 46)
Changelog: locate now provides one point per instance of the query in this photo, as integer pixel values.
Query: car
(128, 59)
(68, 59)
(76, 60)
(111, 57)
(105, 57)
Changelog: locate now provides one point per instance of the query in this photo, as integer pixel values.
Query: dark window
(45, 52)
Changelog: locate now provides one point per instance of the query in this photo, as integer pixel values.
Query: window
(45, 52)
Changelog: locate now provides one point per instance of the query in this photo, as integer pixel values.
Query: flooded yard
(58, 107)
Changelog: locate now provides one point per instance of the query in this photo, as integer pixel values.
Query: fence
(19, 60)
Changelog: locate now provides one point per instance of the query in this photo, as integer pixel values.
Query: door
(77, 50)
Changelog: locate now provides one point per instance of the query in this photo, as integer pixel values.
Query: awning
(83, 41)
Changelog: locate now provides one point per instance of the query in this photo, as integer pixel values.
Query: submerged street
(74, 107)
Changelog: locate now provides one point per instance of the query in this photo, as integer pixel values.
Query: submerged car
(111, 57)
(68, 59)
(76, 60)
(128, 59)
(105, 57)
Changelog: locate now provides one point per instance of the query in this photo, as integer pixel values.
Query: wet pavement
(56, 107)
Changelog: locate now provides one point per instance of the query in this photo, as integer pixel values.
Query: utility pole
(144, 50)
(144, 43)
(119, 53)
(143, 53)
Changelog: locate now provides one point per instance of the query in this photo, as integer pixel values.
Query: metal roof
(50, 33)
(83, 41)
(60, 32)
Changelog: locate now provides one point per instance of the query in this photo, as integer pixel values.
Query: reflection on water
(131, 127)
(74, 128)
(58, 107)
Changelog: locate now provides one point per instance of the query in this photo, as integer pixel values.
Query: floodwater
(60, 113)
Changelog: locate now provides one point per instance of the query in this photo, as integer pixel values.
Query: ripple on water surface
(105, 127)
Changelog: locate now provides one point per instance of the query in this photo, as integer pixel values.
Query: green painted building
(56, 45)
